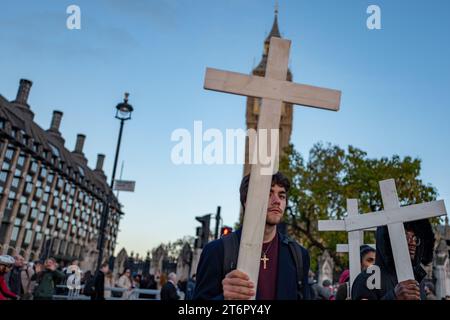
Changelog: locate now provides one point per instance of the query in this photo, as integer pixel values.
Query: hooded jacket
(385, 261)
(15, 280)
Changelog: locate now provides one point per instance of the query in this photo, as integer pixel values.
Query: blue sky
(395, 88)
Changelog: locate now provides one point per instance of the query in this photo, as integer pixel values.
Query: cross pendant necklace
(264, 258)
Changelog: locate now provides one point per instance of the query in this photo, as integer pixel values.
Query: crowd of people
(39, 281)
(284, 271)
(43, 280)
(340, 290)
(36, 280)
(284, 268)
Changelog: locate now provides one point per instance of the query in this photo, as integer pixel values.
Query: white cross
(355, 239)
(393, 216)
(343, 247)
(274, 91)
(354, 268)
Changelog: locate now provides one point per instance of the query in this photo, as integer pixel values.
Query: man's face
(19, 261)
(368, 260)
(276, 206)
(49, 264)
(412, 243)
(105, 269)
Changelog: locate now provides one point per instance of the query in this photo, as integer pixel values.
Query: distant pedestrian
(343, 289)
(190, 287)
(148, 282)
(109, 283)
(14, 278)
(27, 284)
(162, 280)
(47, 279)
(327, 285)
(136, 281)
(170, 290)
(35, 267)
(125, 283)
(6, 264)
(135, 285)
(99, 283)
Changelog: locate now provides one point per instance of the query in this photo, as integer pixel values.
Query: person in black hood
(420, 238)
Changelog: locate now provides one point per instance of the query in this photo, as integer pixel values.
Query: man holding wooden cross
(405, 241)
(283, 271)
(420, 240)
(274, 90)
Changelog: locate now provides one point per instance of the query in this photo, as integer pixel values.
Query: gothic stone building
(50, 200)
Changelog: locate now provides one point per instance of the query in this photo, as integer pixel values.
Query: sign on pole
(124, 185)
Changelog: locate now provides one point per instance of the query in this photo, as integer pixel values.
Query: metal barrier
(74, 294)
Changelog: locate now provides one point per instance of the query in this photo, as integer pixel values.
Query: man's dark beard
(272, 224)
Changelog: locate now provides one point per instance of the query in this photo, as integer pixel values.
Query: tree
(321, 185)
(173, 249)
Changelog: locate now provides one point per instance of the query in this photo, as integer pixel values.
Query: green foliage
(321, 185)
(173, 249)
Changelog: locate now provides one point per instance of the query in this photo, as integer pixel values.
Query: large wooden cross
(355, 239)
(393, 216)
(274, 91)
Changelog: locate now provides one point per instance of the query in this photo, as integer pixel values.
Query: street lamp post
(123, 113)
(216, 233)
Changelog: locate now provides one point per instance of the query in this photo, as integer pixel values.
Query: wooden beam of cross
(345, 248)
(274, 91)
(393, 216)
(355, 239)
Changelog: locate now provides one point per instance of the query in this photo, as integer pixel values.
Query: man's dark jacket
(99, 286)
(385, 261)
(15, 280)
(47, 281)
(169, 292)
(210, 271)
